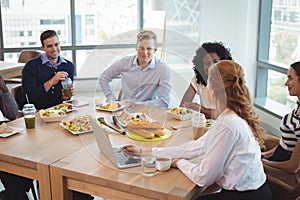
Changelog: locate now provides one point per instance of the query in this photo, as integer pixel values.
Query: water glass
(148, 163)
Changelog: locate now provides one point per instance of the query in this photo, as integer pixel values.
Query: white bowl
(181, 117)
(56, 116)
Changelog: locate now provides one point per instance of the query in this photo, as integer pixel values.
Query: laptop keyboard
(122, 159)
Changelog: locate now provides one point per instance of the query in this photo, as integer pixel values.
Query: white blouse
(201, 91)
(228, 154)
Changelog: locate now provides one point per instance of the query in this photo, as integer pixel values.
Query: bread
(159, 132)
(146, 129)
(145, 125)
(144, 133)
(4, 128)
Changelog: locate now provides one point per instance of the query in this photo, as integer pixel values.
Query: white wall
(235, 22)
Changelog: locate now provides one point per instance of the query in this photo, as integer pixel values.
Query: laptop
(111, 152)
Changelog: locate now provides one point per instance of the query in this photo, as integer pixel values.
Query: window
(278, 48)
(107, 26)
(99, 20)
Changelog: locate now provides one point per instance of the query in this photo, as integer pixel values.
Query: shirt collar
(45, 60)
(150, 66)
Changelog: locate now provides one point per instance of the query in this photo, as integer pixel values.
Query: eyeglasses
(148, 49)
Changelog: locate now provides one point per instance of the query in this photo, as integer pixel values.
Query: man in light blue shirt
(145, 78)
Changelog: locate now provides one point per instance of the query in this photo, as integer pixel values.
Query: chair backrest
(25, 55)
(283, 184)
(17, 93)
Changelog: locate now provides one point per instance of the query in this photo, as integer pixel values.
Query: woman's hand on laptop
(133, 150)
(130, 150)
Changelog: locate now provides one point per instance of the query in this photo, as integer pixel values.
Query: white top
(290, 132)
(201, 91)
(228, 154)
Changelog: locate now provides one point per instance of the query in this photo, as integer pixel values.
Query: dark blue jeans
(280, 154)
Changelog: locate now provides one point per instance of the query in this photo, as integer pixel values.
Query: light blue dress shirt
(149, 86)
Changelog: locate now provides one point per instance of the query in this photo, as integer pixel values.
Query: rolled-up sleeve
(109, 74)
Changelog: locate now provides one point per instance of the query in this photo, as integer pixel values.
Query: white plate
(77, 120)
(98, 107)
(15, 131)
(74, 132)
(68, 110)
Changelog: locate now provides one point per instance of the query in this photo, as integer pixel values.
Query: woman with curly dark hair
(208, 54)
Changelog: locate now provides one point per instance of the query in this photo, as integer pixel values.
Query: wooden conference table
(62, 162)
(31, 152)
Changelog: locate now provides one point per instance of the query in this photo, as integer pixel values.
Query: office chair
(284, 185)
(17, 93)
(24, 56)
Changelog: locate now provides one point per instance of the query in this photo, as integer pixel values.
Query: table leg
(44, 181)
(58, 185)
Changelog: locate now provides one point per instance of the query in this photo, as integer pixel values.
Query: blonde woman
(230, 151)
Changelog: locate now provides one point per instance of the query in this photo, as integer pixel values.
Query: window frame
(73, 47)
(263, 65)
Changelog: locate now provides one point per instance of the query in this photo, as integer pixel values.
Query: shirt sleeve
(9, 106)
(212, 162)
(30, 83)
(107, 76)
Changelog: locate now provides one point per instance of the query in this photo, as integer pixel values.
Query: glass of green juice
(67, 84)
(29, 115)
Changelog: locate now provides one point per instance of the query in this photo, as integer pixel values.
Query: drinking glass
(163, 163)
(66, 84)
(29, 115)
(198, 122)
(148, 163)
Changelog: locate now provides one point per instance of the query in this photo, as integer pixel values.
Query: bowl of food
(180, 113)
(111, 107)
(48, 115)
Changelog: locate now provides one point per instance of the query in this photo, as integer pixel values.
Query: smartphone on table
(77, 102)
